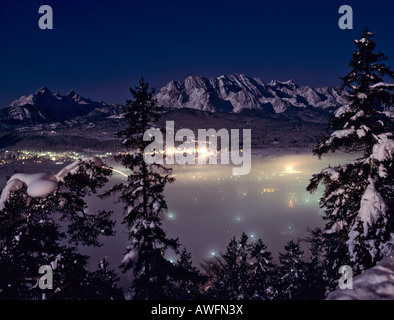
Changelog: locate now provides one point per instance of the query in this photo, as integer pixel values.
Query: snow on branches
(41, 184)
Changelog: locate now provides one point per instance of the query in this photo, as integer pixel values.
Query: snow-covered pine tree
(223, 274)
(358, 196)
(31, 236)
(317, 266)
(213, 270)
(189, 280)
(229, 274)
(102, 283)
(262, 286)
(243, 265)
(292, 273)
(144, 203)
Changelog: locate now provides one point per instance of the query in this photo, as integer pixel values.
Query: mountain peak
(291, 81)
(72, 92)
(274, 82)
(240, 76)
(76, 97)
(43, 90)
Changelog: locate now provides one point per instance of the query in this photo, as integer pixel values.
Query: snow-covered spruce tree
(229, 275)
(189, 280)
(292, 273)
(31, 236)
(262, 286)
(154, 277)
(214, 269)
(358, 196)
(316, 268)
(101, 283)
(243, 266)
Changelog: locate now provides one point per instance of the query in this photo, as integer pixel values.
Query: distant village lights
(205, 149)
(290, 170)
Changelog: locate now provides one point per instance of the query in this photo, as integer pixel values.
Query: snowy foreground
(376, 283)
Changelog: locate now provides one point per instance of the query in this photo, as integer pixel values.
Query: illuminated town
(22, 156)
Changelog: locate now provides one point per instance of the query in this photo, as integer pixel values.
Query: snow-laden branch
(382, 85)
(372, 208)
(383, 150)
(42, 184)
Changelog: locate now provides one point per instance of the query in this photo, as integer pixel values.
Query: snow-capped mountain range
(228, 94)
(235, 93)
(45, 106)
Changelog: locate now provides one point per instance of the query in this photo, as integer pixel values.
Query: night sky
(100, 48)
